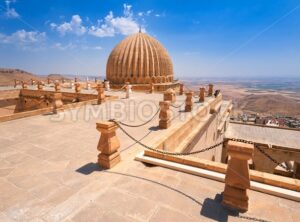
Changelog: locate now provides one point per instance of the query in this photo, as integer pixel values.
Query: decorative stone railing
(108, 145)
(237, 179)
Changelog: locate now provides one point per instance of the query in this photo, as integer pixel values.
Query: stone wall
(8, 101)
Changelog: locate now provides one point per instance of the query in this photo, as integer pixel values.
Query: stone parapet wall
(185, 135)
(9, 94)
(266, 178)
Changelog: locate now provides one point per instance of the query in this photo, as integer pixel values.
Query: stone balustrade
(189, 101)
(181, 89)
(57, 87)
(128, 90)
(202, 95)
(210, 89)
(57, 101)
(169, 95)
(77, 87)
(106, 85)
(151, 87)
(108, 145)
(237, 179)
(24, 85)
(165, 114)
(39, 86)
(101, 95)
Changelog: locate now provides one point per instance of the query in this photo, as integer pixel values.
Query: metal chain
(272, 159)
(166, 152)
(251, 218)
(176, 107)
(201, 150)
(142, 124)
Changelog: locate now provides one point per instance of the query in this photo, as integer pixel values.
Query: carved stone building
(140, 59)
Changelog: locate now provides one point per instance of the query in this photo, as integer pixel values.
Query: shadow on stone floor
(154, 128)
(89, 168)
(210, 208)
(213, 209)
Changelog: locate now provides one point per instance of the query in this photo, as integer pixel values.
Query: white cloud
(62, 47)
(147, 13)
(74, 26)
(91, 47)
(111, 25)
(23, 37)
(10, 12)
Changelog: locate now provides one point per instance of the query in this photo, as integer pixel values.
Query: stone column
(16, 83)
(151, 87)
(39, 86)
(237, 179)
(128, 90)
(202, 95)
(108, 145)
(210, 89)
(189, 101)
(164, 115)
(57, 87)
(101, 96)
(296, 170)
(77, 88)
(169, 95)
(106, 85)
(24, 85)
(181, 89)
(57, 101)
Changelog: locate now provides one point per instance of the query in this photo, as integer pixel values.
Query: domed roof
(139, 59)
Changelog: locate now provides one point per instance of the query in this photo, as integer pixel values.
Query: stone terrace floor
(48, 172)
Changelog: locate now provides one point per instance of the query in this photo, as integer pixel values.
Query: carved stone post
(169, 95)
(24, 85)
(210, 89)
(77, 88)
(57, 87)
(101, 96)
(164, 115)
(202, 95)
(151, 87)
(106, 85)
(128, 90)
(57, 101)
(39, 86)
(108, 145)
(181, 89)
(237, 179)
(189, 101)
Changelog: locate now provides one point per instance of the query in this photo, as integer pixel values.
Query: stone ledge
(215, 175)
(266, 178)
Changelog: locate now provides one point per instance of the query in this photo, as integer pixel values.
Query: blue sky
(205, 38)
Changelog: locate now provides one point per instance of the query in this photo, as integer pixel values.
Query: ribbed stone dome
(139, 59)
